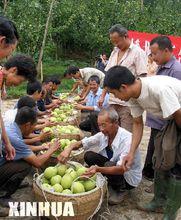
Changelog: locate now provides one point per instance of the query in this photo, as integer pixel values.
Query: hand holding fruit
(49, 124)
(63, 157)
(55, 146)
(45, 146)
(100, 102)
(90, 171)
(79, 106)
(45, 135)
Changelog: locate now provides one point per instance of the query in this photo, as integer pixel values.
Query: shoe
(174, 199)
(4, 212)
(116, 197)
(160, 192)
(4, 201)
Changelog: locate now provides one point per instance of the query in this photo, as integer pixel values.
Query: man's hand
(79, 106)
(45, 146)
(49, 123)
(91, 171)
(10, 152)
(55, 146)
(127, 161)
(100, 102)
(64, 156)
(45, 135)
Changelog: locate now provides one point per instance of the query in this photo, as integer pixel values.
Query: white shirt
(120, 146)
(160, 96)
(134, 59)
(87, 72)
(10, 115)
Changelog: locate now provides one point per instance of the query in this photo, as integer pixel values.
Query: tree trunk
(44, 38)
(5, 6)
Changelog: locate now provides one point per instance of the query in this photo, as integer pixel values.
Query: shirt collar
(116, 49)
(116, 141)
(169, 64)
(99, 91)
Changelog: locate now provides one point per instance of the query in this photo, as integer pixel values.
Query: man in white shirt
(84, 75)
(125, 53)
(160, 96)
(113, 144)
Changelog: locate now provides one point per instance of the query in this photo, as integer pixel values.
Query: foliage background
(78, 29)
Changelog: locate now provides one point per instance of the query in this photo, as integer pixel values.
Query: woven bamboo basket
(77, 137)
(73, 121)
(85, 205)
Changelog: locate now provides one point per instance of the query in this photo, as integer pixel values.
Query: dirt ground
(125, 211)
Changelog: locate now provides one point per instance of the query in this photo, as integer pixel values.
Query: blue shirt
(92, 99)
(173, 69)
(16, 139)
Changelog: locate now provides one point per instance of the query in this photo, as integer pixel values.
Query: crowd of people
(113, 96)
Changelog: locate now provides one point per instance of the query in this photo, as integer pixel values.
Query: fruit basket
(65, 132)
(68, 132)
(86, 195)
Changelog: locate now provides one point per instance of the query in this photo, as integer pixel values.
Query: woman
(15, 71)
(8, 42)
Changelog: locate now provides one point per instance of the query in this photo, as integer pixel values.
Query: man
(91, 106)
(93, 96)
(84, 75)
(162, 53)
(10, 115)
(160, 96)
(56, 83)
(113, 144)
(16, 70)
(125, 53)
(12, 173)
(101, 62)
(47, 86)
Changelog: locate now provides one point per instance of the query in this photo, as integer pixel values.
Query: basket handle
(83, 177)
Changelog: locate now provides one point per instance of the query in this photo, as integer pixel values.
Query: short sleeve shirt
(134, 59)
(160, 96)
(92, 100)
(16, 139)
(87, 72)
(173, 69)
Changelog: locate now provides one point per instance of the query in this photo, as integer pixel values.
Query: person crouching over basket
(112, 143)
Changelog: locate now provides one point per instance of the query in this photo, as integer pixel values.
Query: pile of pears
(64, 179)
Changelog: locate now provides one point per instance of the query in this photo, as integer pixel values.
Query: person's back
(9, 115)
(158, 96)
(87, 72)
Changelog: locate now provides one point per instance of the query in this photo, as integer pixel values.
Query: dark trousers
(90, 123)
(148, 170)
(12, 174)
(117, 182)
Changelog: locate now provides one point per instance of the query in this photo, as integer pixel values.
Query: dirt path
(125, 211)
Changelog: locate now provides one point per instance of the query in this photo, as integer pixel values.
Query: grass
(50, 68)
